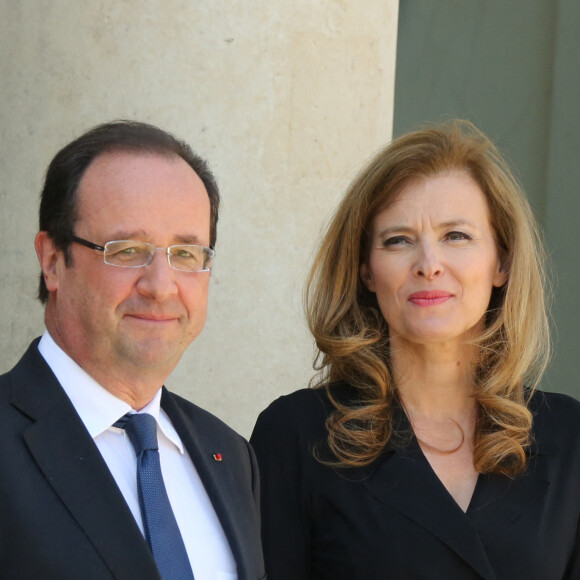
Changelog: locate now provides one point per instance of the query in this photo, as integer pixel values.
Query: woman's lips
(429, 297)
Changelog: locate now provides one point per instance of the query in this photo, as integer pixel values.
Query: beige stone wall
(285, 99)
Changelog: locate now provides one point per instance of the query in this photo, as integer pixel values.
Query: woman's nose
(428, 264)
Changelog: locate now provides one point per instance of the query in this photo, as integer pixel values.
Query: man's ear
(367, 277)
(48, 257)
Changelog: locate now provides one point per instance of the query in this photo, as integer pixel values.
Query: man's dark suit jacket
(396, 521)
(62, 516)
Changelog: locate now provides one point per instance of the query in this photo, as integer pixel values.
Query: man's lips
(429, 297)
(146, 317)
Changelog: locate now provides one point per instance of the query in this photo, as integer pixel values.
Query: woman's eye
(458, 236)
(395, 241)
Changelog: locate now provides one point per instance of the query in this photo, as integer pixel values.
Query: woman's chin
(432, 335)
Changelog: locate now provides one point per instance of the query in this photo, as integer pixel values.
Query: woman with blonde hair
(425, 449)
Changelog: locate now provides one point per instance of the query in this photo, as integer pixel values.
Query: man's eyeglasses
(134, 254)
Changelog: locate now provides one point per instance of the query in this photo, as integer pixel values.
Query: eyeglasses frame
(93, 246)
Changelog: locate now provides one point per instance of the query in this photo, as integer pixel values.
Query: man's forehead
(129, 191)
(121, 169)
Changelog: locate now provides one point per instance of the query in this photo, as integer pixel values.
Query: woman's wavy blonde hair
(352, 336)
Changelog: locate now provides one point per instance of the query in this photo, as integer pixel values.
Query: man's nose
(158, 279)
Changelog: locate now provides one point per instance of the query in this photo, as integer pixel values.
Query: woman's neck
(435, 386)
(434, 381)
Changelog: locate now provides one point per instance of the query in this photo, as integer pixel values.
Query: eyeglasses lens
(134, 254)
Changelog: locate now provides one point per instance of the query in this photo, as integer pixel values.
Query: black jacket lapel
(499, 501)
(405, 482)
(73, 466)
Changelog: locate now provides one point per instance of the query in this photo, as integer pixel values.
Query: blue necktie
(161, 529)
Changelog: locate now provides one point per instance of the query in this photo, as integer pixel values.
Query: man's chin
(153, 354)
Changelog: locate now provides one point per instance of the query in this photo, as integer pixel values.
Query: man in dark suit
(127, 228)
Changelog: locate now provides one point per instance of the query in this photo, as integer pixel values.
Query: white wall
(285, 99)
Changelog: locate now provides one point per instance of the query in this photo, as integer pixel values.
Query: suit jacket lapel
(219, 481)
(73, 466)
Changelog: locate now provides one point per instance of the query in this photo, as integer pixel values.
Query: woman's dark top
(394, 520)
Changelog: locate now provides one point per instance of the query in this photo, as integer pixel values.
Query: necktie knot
(141, 429)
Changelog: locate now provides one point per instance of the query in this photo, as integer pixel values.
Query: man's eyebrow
(188, 239)
(141, 235)
(129, 235)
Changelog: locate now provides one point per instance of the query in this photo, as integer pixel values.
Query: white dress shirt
(207, 547)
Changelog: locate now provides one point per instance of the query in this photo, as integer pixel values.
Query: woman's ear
(366, 275)
(502, 274)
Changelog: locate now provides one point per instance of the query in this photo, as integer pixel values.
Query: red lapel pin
(217, 456)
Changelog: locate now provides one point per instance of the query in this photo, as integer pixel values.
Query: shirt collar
(97, 407)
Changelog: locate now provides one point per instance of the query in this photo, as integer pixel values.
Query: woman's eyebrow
(457, 222)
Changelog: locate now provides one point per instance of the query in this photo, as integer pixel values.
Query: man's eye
(125, 253)
(129, 251)
(182, 253)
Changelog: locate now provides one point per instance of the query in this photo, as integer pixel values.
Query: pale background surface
(285, 99)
